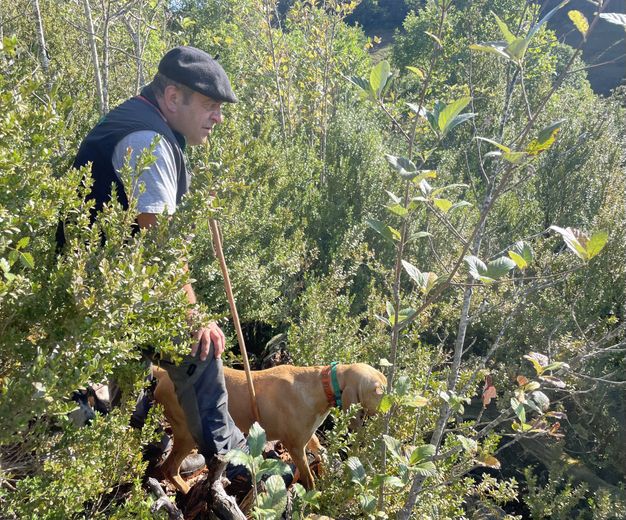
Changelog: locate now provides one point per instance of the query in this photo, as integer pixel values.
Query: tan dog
(292, 405)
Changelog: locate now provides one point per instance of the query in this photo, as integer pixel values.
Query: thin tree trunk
(94, 56)
(105, 55)
(43, 53)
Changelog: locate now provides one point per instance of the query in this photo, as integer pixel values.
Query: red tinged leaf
(489, 391)
(522, 380)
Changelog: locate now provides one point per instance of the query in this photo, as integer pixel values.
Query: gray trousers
(201, 392)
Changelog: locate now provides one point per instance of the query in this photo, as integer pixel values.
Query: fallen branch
(163, 501)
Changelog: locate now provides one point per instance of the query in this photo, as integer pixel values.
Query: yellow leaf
(579, 21)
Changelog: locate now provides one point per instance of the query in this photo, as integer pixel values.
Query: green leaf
(596, 243)
(367, 503)
(469, 445)
(385, 403)
(505, 149)
(274, 499)
(390, 310)
(521, 427)
(542, 400)
(508, 36)
(519, 409)
(272, 467)
(239, 458)
(383, 229)
(425, 281)
(544, 20)
(422, 452)
(452, 110)
(363, 85)
(379, 77)
(22, 243)
(397, 209)
(356, 470)
(394, 198)
(614, 18)
(499, 267)
(477, 268)
(403, 386)
(425, 469)
(538, 361)
(27, 260)
(435, 38)
(392, 481)
(545, 139)
(423, 175)
(403, 166)
(515, 157)
(583, 246)
(256, 440)
(416, 71)
(517, 48)
(460, 204)
(443, 204)
(580, 21)
(521, 254)
(403, 315)
(394, 446)
(496, 48)
(415, 401)
(14, 254)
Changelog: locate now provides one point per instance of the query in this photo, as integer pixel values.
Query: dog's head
(363, 385)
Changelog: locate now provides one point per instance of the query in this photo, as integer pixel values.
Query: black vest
(134, 115)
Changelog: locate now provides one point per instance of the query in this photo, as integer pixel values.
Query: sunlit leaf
(435, 38)
(489, 461)
(397, 209)
(443, 204)
(422, 452)
(415, 401)
(541, 399)
(385, 403)
(469, 445)
(416, 71)
(545, 139)
(256, 439)
(394, 446)
(583, 246)
(403, 166)
(379, 77)
(508, 36)
(356, 470)
(614, 18)
(383, 229)
(460, 204)
(496, 48)
(451, 110)
(580, 21)
(505, 149)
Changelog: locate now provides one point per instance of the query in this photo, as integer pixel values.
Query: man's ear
(171, 98)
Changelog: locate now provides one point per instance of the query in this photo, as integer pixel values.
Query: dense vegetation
(454, 217)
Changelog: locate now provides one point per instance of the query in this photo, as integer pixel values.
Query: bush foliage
(454, 217)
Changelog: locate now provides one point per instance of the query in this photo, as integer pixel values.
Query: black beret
(197, 70)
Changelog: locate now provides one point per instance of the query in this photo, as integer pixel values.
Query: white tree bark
(94, 56)
(43, 53)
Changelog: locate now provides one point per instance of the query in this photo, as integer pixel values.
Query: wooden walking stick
(217, 245)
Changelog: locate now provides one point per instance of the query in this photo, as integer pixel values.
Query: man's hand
(204, 337)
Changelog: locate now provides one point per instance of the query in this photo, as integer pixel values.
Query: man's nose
(217, 117)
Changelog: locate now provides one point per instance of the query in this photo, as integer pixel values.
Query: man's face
(195, 116)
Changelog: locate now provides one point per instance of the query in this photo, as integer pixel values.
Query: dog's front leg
(298, 455)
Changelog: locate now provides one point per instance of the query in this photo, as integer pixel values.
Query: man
(180, 106)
